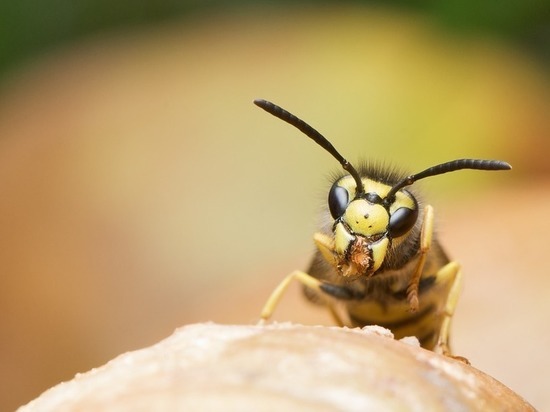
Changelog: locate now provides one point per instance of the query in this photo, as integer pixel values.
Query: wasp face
(366, 224)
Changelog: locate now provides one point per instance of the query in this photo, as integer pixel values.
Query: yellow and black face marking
(365, 225)
(378, 257)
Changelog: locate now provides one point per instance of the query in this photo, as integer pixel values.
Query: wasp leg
(450, 274)
(305, 279)
(425, 244)
(309, 282)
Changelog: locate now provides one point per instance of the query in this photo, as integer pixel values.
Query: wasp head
(366, 223)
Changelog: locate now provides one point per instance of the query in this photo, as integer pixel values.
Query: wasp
(377, 259)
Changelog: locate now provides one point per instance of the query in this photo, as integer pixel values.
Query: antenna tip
(260, 102)
(502, 165)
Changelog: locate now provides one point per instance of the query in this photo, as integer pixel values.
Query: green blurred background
(142, 190)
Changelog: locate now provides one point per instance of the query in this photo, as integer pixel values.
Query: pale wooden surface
(280, 367)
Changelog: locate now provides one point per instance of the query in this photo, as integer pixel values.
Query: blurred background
(141, 190)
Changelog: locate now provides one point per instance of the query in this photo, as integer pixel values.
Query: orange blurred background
(142, 190)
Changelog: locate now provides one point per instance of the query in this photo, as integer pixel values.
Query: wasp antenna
(314, 135)
(459, 164)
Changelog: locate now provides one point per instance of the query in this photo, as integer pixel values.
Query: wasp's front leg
(308, 281)
(325, 245)
(276, 295)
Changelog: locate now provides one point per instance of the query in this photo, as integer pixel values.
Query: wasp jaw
(358, 261)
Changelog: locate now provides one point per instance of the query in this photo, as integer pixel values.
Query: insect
(378, 261)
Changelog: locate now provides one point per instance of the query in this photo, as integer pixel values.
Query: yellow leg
(425, 244)
(277, 294)
(449, 274)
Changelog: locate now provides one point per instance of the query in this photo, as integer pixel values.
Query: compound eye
(338, 199)
(402, 220)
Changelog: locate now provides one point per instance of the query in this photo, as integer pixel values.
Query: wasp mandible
(378, 261)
